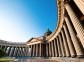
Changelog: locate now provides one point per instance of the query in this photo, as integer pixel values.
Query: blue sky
(22, 19)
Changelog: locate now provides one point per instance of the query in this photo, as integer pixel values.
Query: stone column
(50, 49)
(24, 51)
(56, 48)
(5, 48)
(13, 51)
(47, 50)
(21, 48)
(65, 44)
(27, 51)
(40, 50)
(74, 38)
(53, 50)
(33, 50)
(21, 51)
(76, 23)
(9, 50)
(59, 47)
(17, 53)
(36, 50)
(80, 4)
(70, 44)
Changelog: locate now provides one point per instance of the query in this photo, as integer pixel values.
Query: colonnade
(15, 50)
(69, 42)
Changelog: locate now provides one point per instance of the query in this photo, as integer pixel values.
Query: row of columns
(66, 44)
(15, 51)
(38, 50)
(70, 41)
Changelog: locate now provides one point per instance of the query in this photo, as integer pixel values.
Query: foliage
(2, 53)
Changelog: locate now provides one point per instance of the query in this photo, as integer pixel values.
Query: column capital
(66, 1)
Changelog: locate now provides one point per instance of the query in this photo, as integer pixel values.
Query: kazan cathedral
(65, 43)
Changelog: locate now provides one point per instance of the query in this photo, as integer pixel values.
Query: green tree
(2, 53)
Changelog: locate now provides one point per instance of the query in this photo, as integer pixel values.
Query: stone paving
(34, 60)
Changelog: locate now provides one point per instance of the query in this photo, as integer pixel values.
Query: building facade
(67, 41)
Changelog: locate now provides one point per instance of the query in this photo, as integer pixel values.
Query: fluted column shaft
(13, 51)
(21, 51)
(27, 51)
(65, 45)
(17, 53)
(80, 4)
(74, 38)
(36, 50)
(76, 23)
(56, 48)
(70, 44)
(53, 50)
(47, 54)
(59, 47)
(9, 50)
(49, 49)
(40, 50)
(31, 50)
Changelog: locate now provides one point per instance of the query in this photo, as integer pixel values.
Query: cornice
(60, 5)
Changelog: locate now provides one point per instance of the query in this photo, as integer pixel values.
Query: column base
(80, 56)
(57, 56)
(60, 56)
(73, 56)
(68, 56)
(64, 56)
